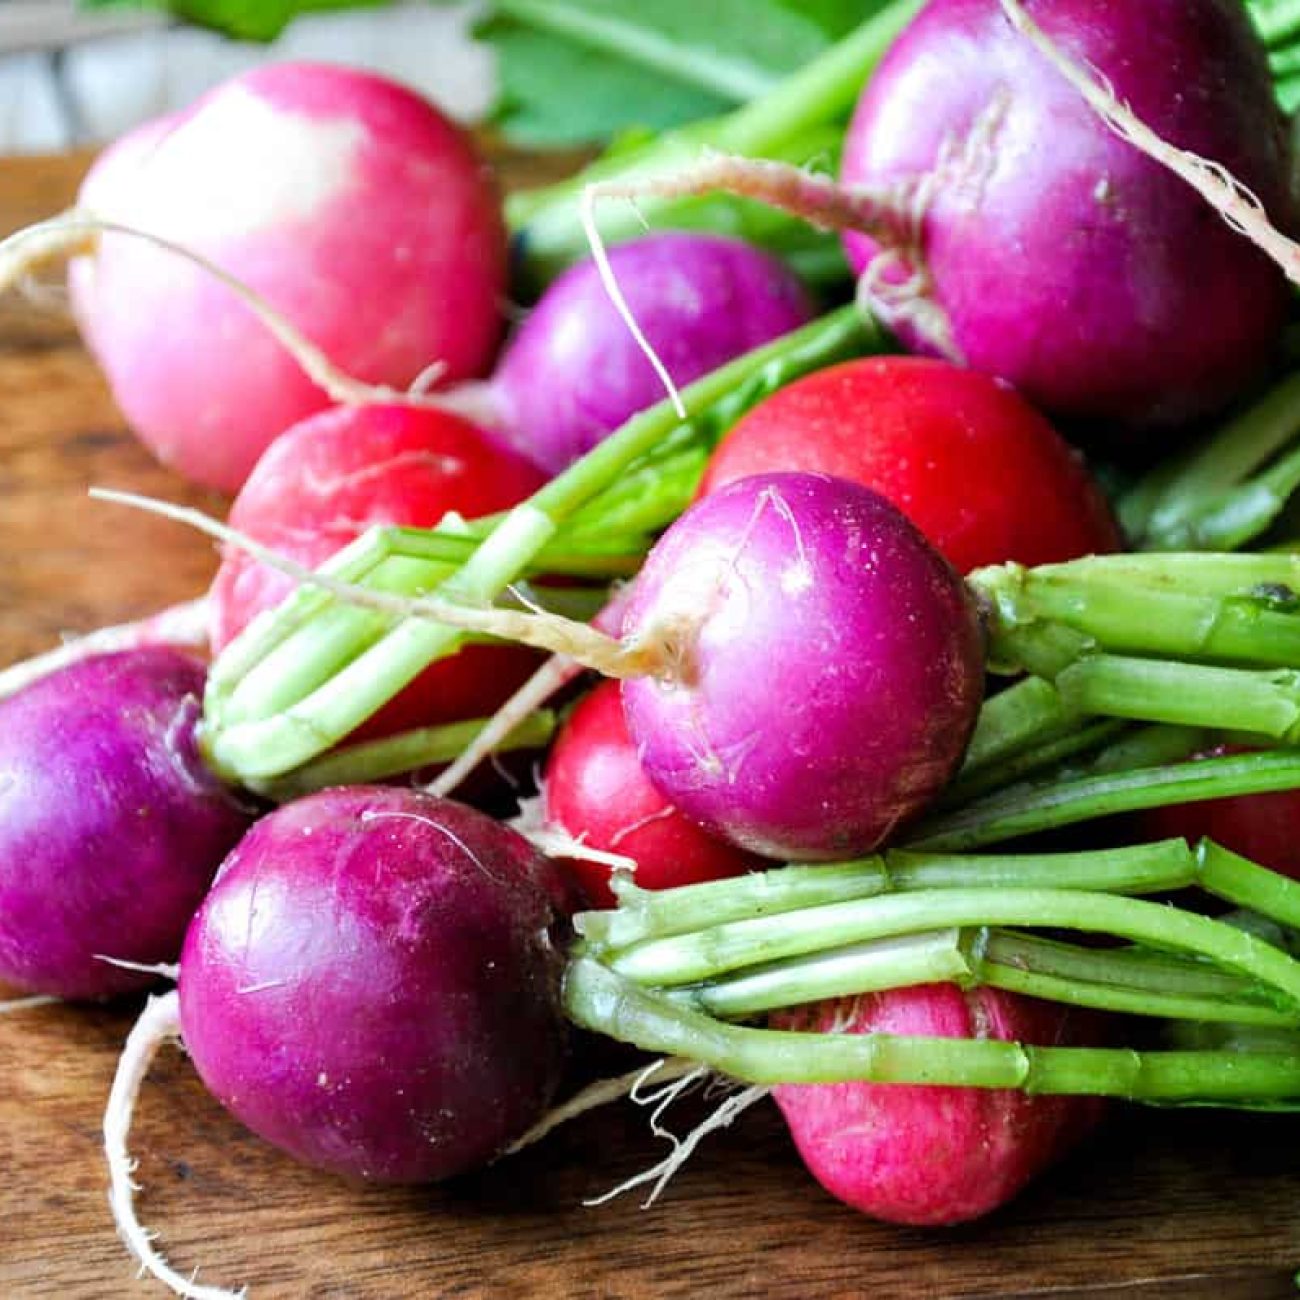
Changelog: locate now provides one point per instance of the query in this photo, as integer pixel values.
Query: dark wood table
(1189, 1204)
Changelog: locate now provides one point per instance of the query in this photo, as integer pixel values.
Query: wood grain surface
(1186, 1204)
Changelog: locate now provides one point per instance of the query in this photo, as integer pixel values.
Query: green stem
(1169, 605)
(990, 777)
(598, 999)
(1016, 719)
(1146, 690)
(1130, 981)
(690, 958)
(1278, 21)
(1072, 800)
(645, 914)
(1165, 510)
(407, 751)
(939, 957)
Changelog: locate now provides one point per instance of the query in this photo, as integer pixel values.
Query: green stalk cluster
(683, 971)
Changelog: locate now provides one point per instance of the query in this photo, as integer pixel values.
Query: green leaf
(555, 93)
(245, 20)
(580, 71)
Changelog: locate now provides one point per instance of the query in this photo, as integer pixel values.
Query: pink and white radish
(326, 480)
(348, 203)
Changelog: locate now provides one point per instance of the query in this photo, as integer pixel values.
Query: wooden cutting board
(1160, 1204)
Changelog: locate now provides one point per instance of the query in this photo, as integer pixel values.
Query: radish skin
(926, 1155)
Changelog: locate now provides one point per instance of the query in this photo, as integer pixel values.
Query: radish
(821, 666)
(971, 463)
(110, 826)
(326, 480)
(930, 1155)
(373, 985)
(1094, 280)
(595, 791)
(346, 201)
(571, 374)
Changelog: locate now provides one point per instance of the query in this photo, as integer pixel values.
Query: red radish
(110, 826)
(971, 463)
(596, 791)
(347, 201)
(323, 482)
(572, 373)
(927, 1155)
(1262, 827)
(373, 985)
(822, 666)
(1060, 257)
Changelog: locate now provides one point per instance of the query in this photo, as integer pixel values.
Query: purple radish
(373, 985)
(822, 666)
(998, 218)
(572, 373)
(110, 826)
(1062, 258)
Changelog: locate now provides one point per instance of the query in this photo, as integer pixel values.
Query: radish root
(184, 625)
(556, 842)
(159, 1023)
(587, 208)
(27, 1004)
(1233, 201)
(556, 673)
(74, 232)
(602, 1093)
(661, 1099)
(896, 283)
(651, 656)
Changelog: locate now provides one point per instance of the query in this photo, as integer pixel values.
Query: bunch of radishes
(294, 289)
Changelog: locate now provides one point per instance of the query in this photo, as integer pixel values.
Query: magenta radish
(407, 953)
(917, 1154)
(348, 202)
(821, 666)
(110, 827)
(998, 220)
(595, 791)
(1061, 258)
(323, 482)
(572, 373)
(373, 985)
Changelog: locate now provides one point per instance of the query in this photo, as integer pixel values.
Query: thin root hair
(72, 233)
(159, 1023)
(1233, 201)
